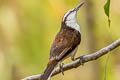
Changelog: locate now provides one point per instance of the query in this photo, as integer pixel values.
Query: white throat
(73, 24)
(71, 21)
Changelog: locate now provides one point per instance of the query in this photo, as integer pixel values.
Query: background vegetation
(28, 27)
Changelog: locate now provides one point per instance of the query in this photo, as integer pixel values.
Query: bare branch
(86, 58)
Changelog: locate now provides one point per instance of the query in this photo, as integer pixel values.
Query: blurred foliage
(107, 10)
(107, 7)
(27, 29)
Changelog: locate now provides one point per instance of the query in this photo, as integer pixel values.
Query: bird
(65, 43)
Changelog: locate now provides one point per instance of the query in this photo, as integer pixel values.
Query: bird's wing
(63, 45)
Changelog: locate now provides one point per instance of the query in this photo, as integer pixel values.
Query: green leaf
(106, 9)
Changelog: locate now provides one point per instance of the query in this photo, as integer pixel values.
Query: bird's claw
(81, 60)
(61, 68)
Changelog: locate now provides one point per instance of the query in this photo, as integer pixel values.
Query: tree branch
(86, 58)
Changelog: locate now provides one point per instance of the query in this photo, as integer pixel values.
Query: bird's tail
(48, 71)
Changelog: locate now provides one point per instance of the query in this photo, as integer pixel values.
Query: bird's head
(69, 17)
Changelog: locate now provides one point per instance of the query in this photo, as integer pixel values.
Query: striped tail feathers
(48, 71)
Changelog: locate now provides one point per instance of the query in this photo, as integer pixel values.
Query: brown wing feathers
(65, 42)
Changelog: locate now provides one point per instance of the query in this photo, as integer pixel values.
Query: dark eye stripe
(67, 15)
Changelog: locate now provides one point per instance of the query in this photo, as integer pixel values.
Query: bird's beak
(77, 8)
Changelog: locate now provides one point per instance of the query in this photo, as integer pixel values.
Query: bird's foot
(81, 59)
(61, 68)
